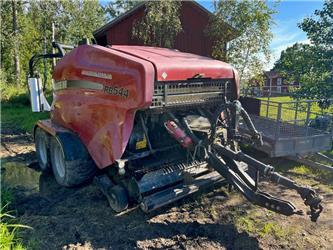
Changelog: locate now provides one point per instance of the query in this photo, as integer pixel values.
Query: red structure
(193, 38)
(274, 84)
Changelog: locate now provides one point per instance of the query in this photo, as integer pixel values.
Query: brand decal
(112, 90)
(164, 75)
(78, 84)
(97, 74)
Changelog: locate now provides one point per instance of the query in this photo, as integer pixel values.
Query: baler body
(159, 125)
(98, 90)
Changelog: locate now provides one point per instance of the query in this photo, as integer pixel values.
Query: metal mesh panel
(188, 92)
(283, 129)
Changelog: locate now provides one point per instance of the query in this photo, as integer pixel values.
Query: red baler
(151, 125)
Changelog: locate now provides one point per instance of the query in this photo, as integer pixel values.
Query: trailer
(290, 128)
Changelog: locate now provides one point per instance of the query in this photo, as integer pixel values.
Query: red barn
(274, 84)
(193, 38)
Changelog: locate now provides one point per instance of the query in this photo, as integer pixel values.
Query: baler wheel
(72, 172)
(42, 149)
(117, 198)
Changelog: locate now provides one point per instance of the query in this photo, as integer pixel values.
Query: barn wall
(191, 39)
(121, 33)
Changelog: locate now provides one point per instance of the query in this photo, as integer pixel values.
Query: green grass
(6, 195)
(253, 223)
(9, 228)
(15, 109)
(20, 116)
(9, 238)
(288, 109)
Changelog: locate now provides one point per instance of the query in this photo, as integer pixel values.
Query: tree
(117, 7)
(7, 66)
(317, 82)
(304, 63)
(319, 29)
(28, 30)
(252, 20)
(160, 25)
(80, 18)
(296, 60)
(16, 42)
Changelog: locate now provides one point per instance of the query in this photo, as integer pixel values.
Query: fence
(296, 118)
(293, 127)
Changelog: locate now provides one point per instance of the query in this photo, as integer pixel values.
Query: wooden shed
(193, 38)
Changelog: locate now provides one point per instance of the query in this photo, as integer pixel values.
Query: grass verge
(9, 228)
(20, 116)
(15, 108)
(289, 109)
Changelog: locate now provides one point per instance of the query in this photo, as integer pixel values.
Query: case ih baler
(152, 125)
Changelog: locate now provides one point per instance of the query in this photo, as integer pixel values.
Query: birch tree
(160, 25)
(251, 21)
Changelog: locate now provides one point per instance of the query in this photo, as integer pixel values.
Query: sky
(285, 30)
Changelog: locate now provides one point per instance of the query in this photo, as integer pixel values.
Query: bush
(14, 95)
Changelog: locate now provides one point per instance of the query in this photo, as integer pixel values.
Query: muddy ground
(80, 218)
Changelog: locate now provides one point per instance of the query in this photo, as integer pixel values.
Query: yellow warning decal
(141, 144)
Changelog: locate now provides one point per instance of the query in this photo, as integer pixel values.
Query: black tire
(42, 149)
(70, 173)
(117, 198)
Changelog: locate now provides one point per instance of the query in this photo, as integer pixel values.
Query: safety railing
(295, 118)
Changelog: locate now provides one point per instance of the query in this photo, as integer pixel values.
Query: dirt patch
(79, 218)
(16, 145)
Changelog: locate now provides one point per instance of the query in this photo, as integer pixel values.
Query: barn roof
(272, 74)
(101, 31)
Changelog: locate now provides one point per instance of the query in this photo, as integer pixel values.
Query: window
(279, 81)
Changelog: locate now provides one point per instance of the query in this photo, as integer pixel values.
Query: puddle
(16, 174)
(19, 176)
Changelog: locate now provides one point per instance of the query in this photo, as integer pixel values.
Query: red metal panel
(103, 121)
(174, 65)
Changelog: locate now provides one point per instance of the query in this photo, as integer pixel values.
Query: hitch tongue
(228, 167)
(310, 197)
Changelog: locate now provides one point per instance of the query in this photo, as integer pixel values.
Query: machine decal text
(117, 91)
(97, 74)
